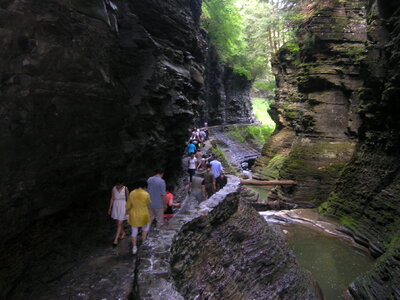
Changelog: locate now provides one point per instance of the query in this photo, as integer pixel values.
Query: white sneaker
(134, 250)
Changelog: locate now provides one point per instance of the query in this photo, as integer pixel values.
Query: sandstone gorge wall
(338, 102)
(367, 194)
(90, 91)
(232, 253)
(228, 94)
(368, 188)
(318, 81)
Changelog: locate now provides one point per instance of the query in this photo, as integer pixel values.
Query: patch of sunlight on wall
(260, 109)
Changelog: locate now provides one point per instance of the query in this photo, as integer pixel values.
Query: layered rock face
(317, 96)
(232, 253)
(228, 94)
(367, 194)
(368, 189)
(345, 84)
(90, 91)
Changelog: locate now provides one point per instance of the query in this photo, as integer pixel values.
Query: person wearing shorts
(138, 211)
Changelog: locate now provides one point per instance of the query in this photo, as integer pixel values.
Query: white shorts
(136, 229)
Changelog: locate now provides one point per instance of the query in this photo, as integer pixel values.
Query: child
(168, 212)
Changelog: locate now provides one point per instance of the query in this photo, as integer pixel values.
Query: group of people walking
(214, 177)
(149, 200)
(152, 199)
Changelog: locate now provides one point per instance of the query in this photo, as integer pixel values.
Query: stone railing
(164, 248)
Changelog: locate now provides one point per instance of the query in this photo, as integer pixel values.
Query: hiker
(208, 186)
(116, 209)
(216, 168)
(222, 180)
(206, 130)
(195, 135)
(203, 136)
(199, 157)
(192, 165)
(204, 162)
(191, 147)
(137, 208)
(168, 212)
(156, 189)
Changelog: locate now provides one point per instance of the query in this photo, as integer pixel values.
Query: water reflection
(333, 261)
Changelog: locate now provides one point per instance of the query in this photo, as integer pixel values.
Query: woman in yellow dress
(138, 211)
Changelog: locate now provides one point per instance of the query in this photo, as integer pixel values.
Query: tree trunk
(263, 182)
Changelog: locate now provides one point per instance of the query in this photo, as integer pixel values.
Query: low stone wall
(153, 278)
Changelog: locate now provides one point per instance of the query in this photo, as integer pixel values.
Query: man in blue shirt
(191, 148)
(156, 189)
(216, 168)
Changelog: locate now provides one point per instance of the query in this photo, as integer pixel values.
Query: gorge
(97, 90)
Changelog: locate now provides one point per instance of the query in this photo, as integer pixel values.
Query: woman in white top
(192, 165)
(119, 194)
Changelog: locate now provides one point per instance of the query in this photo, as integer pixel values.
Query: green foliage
(393, 242)
(246, 33)
(264, 86)
(224, 24)
(260, 109)
(323, 208)
(347, 221)
(229, 169)
(272, 170)
(242, 71)
(356, 53)
(250, 134)
(293, 47)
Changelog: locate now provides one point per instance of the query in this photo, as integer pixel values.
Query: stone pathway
(114, 273)
(236, 152)
(153, 280)
(107, 274)
(153, 263)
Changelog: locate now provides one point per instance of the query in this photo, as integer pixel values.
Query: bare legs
(120, 231)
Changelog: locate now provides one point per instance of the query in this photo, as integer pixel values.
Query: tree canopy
(248, 32)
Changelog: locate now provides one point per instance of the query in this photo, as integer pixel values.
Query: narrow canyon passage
(98, 91)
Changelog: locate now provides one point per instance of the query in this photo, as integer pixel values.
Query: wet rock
(91, 91)
(317, 100)
(382, 282)
(221, 249)
(227, 93)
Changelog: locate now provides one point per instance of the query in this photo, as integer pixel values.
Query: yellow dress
(137, 205)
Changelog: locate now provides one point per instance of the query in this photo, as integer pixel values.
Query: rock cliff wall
(228, 94)
(230, 252)
(90, 91)
(338, 109)
(367, 195)
(318, 79)
(368, 188)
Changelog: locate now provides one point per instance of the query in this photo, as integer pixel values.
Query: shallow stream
(333, 259)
